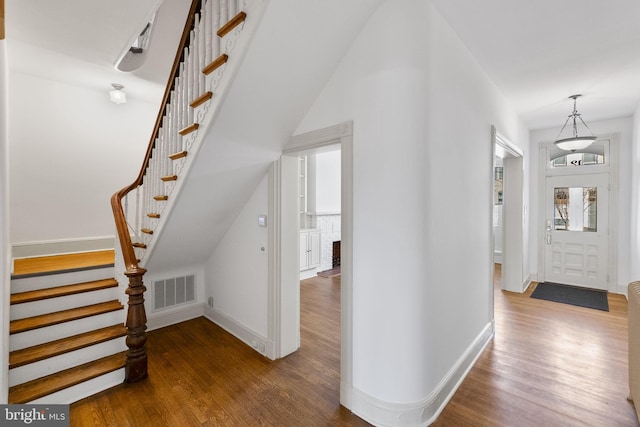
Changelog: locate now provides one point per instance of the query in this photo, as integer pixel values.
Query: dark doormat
(566, 294)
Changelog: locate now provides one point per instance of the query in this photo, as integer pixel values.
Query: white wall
(324, 183)
(634, 235)
(4, 226)
(623, 130)
(236, 274)
(71, 149)
(422, 110)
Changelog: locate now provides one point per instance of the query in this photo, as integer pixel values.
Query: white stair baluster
(208, 32)
(215, 19)
(224, 12)
(200, 64)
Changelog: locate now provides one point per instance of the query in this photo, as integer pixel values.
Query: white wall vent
(175, 291)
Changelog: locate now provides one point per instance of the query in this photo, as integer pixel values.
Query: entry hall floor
(549, 364)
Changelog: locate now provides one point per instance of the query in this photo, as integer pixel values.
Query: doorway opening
(508, 213)
(286, 243)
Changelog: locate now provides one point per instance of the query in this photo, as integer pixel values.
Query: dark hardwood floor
(199, 375)
(549, 365)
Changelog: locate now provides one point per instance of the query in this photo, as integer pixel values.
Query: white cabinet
(309, 249)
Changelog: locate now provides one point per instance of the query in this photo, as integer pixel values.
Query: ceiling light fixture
(117, 95)
(574, 142)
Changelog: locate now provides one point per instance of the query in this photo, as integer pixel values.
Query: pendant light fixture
(574, 142)
(117, 95)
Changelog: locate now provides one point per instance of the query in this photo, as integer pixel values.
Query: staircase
(67, 314)
(66, 330)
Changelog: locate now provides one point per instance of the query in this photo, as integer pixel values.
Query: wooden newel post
(136, 367)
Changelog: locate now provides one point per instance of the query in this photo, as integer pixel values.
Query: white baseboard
(254, 340)
(305, 274)
(160, 319)
(64, 246)
(426, 411)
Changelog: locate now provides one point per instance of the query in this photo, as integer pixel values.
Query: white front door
(577, 227)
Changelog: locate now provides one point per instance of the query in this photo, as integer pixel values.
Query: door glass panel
(575, 208)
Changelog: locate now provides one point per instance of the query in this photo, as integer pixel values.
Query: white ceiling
(537, 52)
(80, 41)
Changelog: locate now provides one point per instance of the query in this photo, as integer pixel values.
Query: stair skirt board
(64, 361)
(42, 335)
(82, 390)
(42, 282)
(35, 308)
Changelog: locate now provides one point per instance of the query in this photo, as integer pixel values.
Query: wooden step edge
(60, 291)
(44, 351)
(179, 155)
(191, 128)
(26, 392)
(55, 318)
(215, 64)
(153, 215)
(63, 263)
(201, 99)
(147, 231)
(233, 22)
(169, 178)
(161, 198)
(139, 245)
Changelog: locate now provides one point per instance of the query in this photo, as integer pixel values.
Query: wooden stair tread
(201, 99)
(153, 215)
(160, 198)
(59, 291)
(169, 178)
(146, 230)
(139, 245)
(217, 63)
(191, 128)
(40, 387)
(60, 263)
(54, 348)
(233, 22)
(41, 321)
(178, 155)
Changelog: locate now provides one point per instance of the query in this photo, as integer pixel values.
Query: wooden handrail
(1, 19)
(136, 366)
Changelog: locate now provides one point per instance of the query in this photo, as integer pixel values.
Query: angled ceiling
(540, 52)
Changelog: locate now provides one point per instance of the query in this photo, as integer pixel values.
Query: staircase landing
(26, 267)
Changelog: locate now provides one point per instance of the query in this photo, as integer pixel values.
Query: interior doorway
(285, 263)
(508, 213)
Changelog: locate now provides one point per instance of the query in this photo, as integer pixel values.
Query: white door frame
(513, 277)
(284, 272)
(610, 167)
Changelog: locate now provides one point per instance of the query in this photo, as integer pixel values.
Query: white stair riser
(82, 390)
(51, 280)
(45, 367)
(35, 308)
(66, 329)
